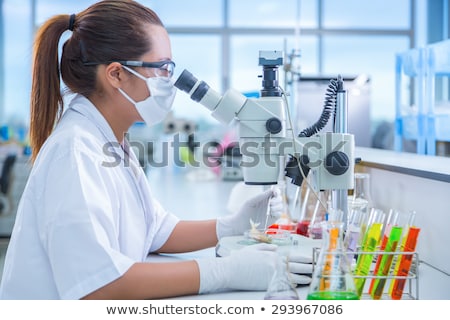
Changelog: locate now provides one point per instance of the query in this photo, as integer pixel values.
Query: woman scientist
(84, 227)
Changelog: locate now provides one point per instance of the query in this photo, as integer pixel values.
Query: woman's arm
(163, 280)
(152, 281)
(190, 236)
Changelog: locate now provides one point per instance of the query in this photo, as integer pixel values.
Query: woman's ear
(115, 74)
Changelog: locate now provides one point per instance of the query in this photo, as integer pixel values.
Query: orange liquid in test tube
(405, 263)
(328, 267)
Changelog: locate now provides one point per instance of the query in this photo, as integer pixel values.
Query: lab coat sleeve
(162, 222)
(79, 228)
(167, 222)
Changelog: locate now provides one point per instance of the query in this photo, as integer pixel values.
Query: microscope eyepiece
(200, 91)
(186, 81)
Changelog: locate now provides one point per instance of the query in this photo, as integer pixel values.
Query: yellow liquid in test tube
(371, 239)
(397, 262)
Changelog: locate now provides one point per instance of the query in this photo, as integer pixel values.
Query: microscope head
(262, 121)
(270, 61)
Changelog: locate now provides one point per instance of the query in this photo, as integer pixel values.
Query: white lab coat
(86, 215)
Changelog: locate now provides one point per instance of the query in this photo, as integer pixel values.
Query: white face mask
(157, 106)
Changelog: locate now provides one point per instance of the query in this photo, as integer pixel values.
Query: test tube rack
(411, 291)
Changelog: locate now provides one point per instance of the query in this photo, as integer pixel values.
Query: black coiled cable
(329, 108)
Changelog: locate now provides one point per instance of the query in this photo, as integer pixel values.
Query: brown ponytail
(106, 31)
(46, 99)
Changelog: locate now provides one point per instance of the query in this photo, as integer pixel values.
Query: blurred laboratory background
(220, 41)
(392, 56)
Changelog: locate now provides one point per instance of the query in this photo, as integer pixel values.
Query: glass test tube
(390, 221)
(370, 242)
(353, 234)
(409, 222)
(376, 291)
(405, 263)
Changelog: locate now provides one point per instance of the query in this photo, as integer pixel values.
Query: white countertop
(422, 165)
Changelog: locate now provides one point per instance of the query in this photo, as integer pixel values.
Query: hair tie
(71, 21)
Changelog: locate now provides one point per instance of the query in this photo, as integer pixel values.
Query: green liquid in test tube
(364, 261)
(391, 220)
(376, 290)
(406, 227)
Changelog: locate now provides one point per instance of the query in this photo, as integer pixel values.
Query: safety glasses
(164, 68)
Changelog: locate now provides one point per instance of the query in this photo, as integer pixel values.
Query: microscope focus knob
(337, 163)
(273, 125)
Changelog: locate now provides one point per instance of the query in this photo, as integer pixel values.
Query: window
(219, 42)
(370, 55)
(192, 13)
(272, 14)
(381, 14)
(200, 54)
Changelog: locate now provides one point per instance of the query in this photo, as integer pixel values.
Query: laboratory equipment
(285, 221)
(295, 244)
(319, 215)
(281, 286)
(332, 278)
(389, 243)
(428, 120)
(438, 111)
(266, 136)
(359, 204)
(410, 121)
(404, 262)
(385, 262)
(303, 227)
(304, 219)
(270, 235)
(361, 192)
(352, 238)
(371, 240)
(308, 90)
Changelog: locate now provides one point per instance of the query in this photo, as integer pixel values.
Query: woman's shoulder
(72, 140)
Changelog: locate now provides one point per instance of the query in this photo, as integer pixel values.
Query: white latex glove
(300, 267)
(250, 268)
(255, 208)
(276, 203)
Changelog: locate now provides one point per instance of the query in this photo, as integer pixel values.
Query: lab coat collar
(86, 108)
